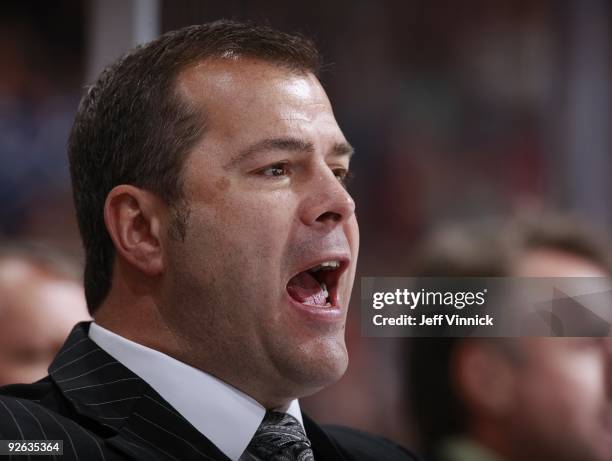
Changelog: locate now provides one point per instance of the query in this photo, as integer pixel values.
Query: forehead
(248, 94)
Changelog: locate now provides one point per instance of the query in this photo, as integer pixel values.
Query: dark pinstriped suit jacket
(102, 411)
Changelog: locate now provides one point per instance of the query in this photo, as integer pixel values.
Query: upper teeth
(326, 266)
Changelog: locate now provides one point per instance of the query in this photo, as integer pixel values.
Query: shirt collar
(228, 417)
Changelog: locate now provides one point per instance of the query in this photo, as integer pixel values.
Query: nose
(327, 202)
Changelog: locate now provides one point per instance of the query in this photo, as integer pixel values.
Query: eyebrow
(341, 149)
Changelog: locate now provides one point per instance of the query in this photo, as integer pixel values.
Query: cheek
(570, 389)
(584, 376)
(256, 222)
(242, 238)
(254, 208)
(65, 306)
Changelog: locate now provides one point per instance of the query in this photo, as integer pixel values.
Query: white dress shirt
(226, 416)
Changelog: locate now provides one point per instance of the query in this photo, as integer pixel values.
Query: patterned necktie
(280, 437)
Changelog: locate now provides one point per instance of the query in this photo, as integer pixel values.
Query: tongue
(305, 289)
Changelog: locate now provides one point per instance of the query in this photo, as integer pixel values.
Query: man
(221, 245)
(41, 299)
(514, 399)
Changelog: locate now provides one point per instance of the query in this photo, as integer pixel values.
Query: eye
(276, 170)
(344, 176)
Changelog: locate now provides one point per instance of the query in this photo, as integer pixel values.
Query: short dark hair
(132, 127)
(486, 248)
(491, 247)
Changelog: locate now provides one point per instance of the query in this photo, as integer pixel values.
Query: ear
(133, 220)
(485, 378)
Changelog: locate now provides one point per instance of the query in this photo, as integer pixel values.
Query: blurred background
(457, 110)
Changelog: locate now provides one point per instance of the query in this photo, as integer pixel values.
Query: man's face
(37, 312)
(266, 207)
(563, 394)
(563, 402)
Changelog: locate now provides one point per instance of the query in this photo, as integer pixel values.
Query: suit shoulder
(358, 445)
(35, 392)
(33, 411)
(44, 393)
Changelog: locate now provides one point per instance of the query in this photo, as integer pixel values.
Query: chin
(321, 365)
(335, 366)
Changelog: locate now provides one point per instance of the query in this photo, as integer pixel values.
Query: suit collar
(133, 417)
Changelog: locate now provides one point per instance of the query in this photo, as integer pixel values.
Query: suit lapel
(115, 403)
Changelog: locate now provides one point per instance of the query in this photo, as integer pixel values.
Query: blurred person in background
(41, 299)
(514, 399)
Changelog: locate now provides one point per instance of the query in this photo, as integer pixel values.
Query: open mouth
(318, 285)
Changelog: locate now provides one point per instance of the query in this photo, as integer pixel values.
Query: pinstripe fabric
(101, 410)
(104, 412)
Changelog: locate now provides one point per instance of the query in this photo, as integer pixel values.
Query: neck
(139, 320)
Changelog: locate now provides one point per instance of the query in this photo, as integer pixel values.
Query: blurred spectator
(514, 399)
(41, 298)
